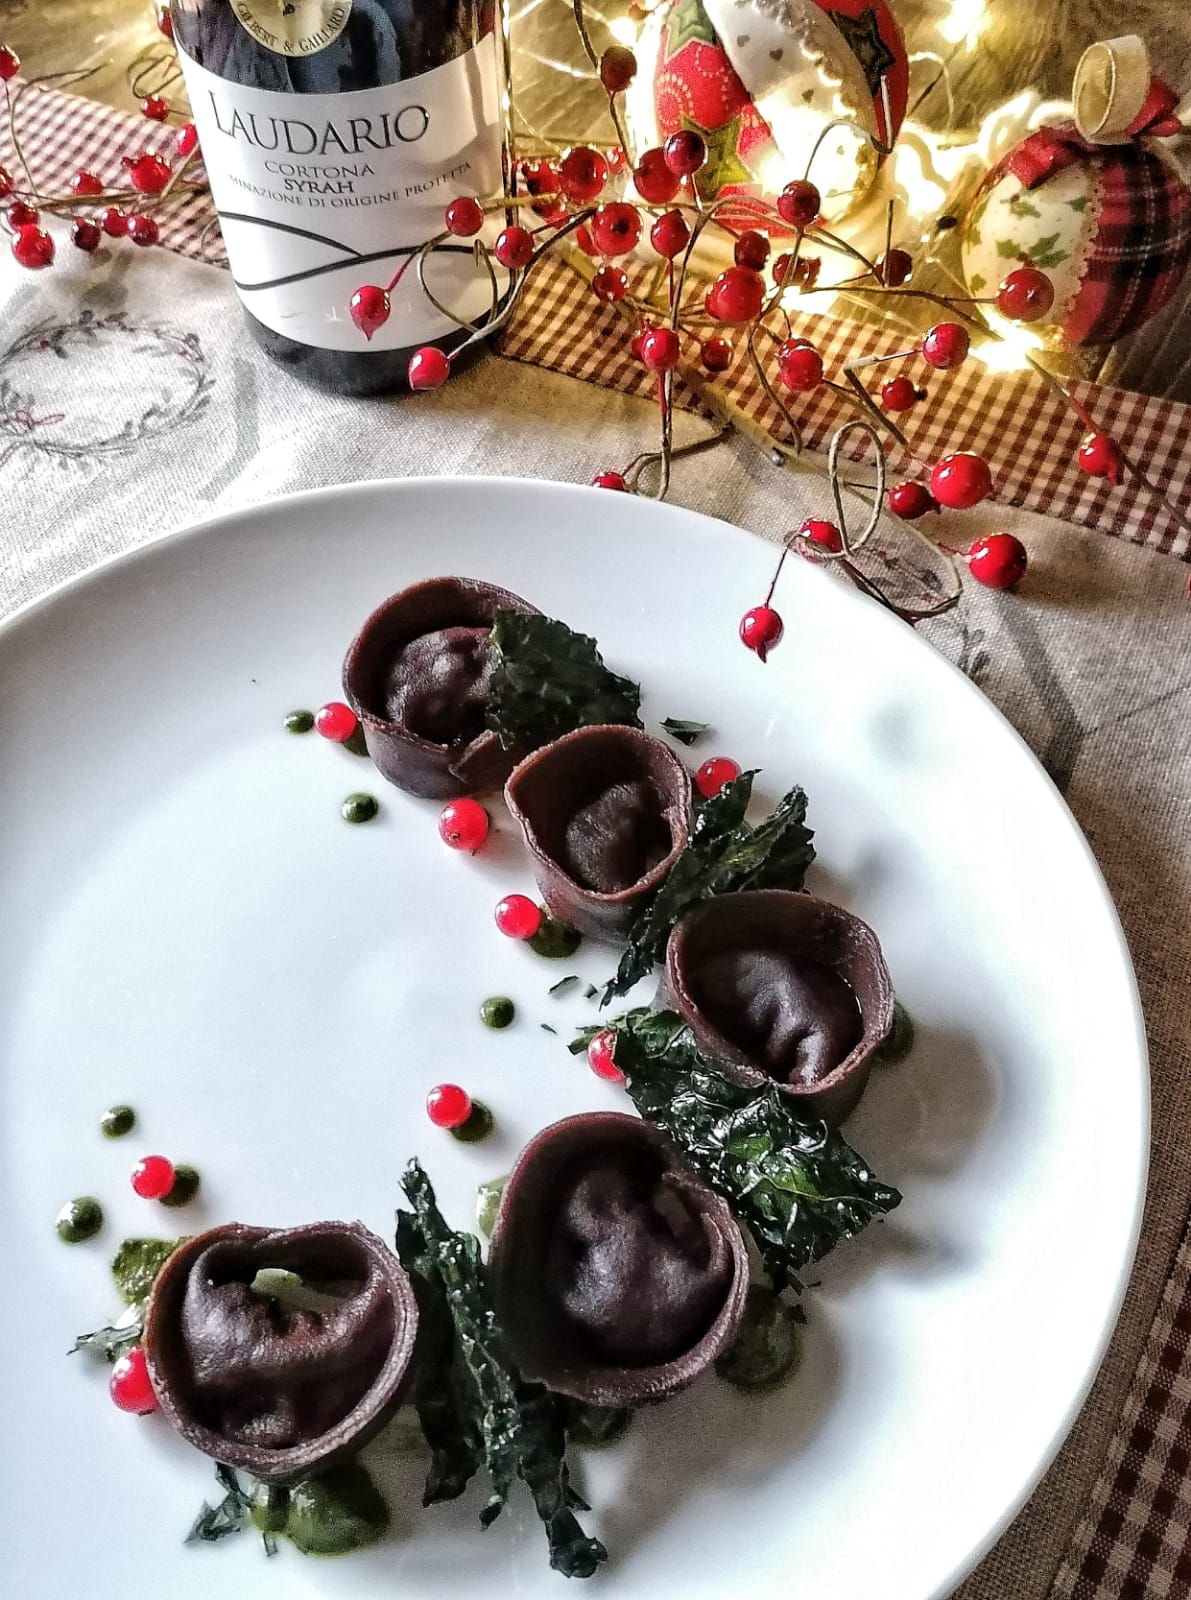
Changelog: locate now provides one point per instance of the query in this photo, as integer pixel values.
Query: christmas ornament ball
(761, 80)
(1110, 225)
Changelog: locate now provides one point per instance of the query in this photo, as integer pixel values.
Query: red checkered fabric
(1026, 431)
(1134, 1542)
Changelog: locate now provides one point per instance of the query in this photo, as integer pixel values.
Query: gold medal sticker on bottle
(293, 27)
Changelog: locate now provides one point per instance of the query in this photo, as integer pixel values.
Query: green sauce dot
(117, 1121)
(186, 1186)
(79, 1220)
(299, 722)
(554, 939)
(595, 1426)
(478, 1126)
(354, 744)
(359, 808)
(900, 1040)
(497, 1012)
(768, 1347)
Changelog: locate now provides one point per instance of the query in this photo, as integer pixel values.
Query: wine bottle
(333, 133)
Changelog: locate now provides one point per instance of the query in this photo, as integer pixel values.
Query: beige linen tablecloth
(131, 401)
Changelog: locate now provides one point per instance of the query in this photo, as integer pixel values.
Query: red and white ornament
(761, 79)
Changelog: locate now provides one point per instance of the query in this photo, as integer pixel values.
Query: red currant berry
(911, 500)
(369, 308)
(800, 366)
(760, 629)
(582, 173)
(186, 140)
(6, 183)
(1099, 457)
(448, 1106)
(518, 917)
(684, 152)
(513, 247)
(998, 560)
(147, 173)
(799, 203)
(600, 1052)
(540, 177)
(716, 354)
(464, 216)
(129, 1384)
(1025, 295)
(86, 183)
(336, 722)
(736, 296)
(609, 480)
(153, 1177)
(86, 236)
(894, 269)
(638, 339)
(714, 774)
(463, 824)
(616, 228)
(899, 394)
(21, 214)
(961, 480)
(825, 534)
(155, 108)
(654, 181)
(428, 368)
(143, 231)
(670, 235)
(751, 250)
(585, 241)
(945, 345)
(10, 63)
(618, 68)
(115, 223)
(610, 284)
(33, 247)
(660, 349)
(784, 269)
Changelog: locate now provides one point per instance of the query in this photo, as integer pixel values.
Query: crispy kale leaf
(798, 1188)
(475, 1408)
(724, 853)
(682, 729)
(549, 680)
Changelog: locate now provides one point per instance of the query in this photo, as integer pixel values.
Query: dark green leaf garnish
(549, 680)
(111, 1341)
(590, 992)
(564, 985)
(136, 1263)
(546, 1028)
(723, 854)
(685, 732)
(475, 1408)
(595, 1426)
(229, 1516)
(797, 1187)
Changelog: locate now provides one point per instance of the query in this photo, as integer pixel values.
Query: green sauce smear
(554, 939)
(901, 1036)
(117, 1121)
(137, 1263)
(359, 808)
(478, 1126)
(334, 1514)
(768, 1348)
(488, 1196)
(79, 1220)
(186, 1186)
(497, 1012)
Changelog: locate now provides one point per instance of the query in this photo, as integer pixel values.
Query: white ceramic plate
(187, 925)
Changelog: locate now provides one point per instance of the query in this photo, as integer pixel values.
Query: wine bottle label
(293, 27)
(320, 194)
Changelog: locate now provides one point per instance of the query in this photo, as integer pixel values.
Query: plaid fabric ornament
(1109, 223)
